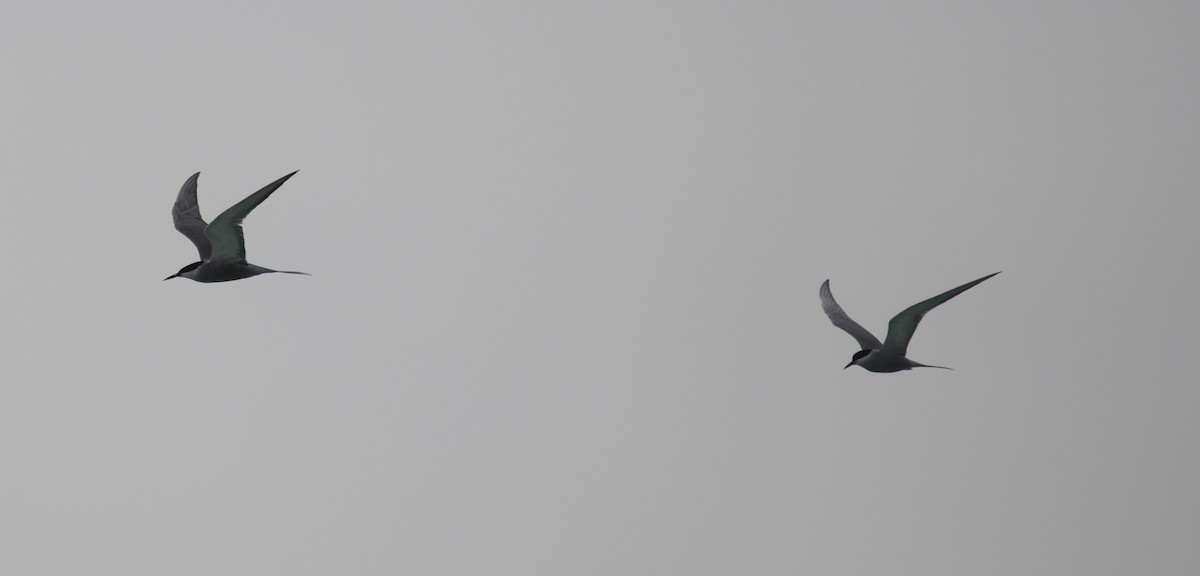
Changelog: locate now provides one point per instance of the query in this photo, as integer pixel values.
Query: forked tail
(920, 365)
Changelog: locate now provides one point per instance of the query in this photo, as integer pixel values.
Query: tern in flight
(221, 244)
(889, 355)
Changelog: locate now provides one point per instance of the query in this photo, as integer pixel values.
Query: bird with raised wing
(891, 354)
(221, 244)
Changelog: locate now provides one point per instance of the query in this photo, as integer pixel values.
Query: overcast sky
(563, 317)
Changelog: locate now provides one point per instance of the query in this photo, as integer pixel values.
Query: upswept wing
(839, 318)
(186, 214)
(225, 231)
(902, 326)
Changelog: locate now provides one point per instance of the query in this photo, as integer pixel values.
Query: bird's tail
(920, 365)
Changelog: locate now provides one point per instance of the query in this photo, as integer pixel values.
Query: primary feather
(225, 231)
(186, 214)
(865, 339)
(903, 325)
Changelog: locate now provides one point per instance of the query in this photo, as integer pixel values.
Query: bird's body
(221, 245)
(880, 361)
(223, 271)
(891, 355)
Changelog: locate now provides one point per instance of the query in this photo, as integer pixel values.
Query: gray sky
(563, 317)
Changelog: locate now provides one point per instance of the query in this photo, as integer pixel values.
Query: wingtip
(279, 182)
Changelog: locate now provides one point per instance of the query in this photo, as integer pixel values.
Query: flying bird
(221, 244)
(889, 355)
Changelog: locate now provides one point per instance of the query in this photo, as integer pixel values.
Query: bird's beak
(170, 277)
(848, 365)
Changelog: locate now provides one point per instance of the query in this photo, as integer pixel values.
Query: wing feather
(186, 214)
(225, 231)
(839, 318)
(902, 326)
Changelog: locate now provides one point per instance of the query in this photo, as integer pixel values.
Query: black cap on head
(857, 356)
(188, 268)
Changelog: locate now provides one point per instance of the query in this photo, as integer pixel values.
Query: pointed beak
(848, 365)
(170, 277)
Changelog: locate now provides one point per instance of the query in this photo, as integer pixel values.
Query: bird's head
(858, 356)
(183, 271)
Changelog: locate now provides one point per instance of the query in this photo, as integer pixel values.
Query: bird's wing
(186, 214)
(225, 231)
(902, 326)
(839, 318)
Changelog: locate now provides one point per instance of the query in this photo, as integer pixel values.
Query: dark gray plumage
(892, 354)
(221, 244)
